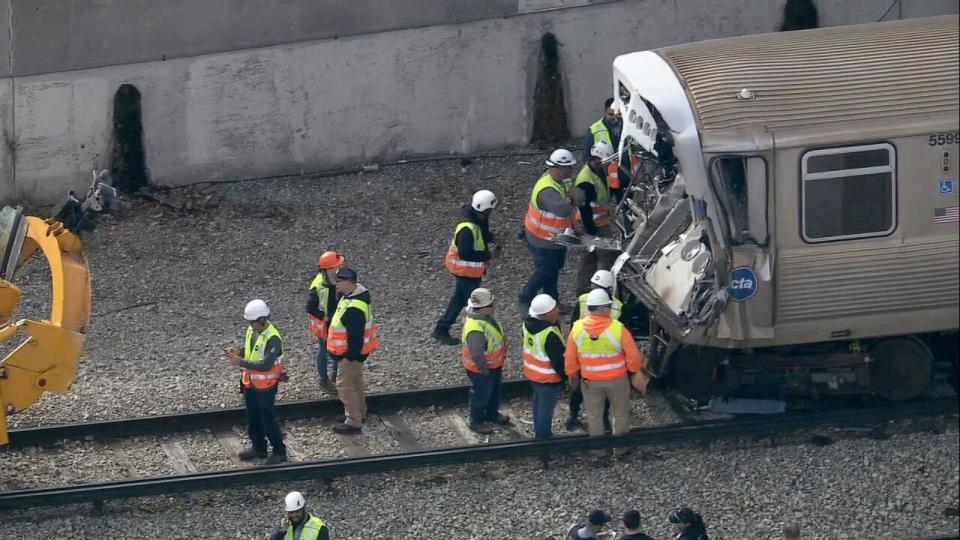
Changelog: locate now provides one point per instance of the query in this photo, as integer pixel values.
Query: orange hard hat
(330, 259)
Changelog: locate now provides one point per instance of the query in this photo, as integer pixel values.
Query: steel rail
(378, 403)
(675, 433)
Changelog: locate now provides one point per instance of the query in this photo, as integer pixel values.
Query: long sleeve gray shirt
(551, 200)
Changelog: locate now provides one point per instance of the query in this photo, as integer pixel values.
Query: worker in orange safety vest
(321, 304)
(543, 350)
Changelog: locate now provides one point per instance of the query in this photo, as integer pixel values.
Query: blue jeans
(547, 264)
(545, 398)
(461, 292)
(484, 396)
(322, 360)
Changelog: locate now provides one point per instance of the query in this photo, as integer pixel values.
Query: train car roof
(790, 81)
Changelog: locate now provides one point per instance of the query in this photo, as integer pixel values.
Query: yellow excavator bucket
(46, 357)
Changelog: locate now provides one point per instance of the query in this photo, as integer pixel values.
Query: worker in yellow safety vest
(551, 210)
(543, 350)
(600, 356)
(595, 213)
(468, 258)
(607, 129)
(351, 338)
(298, 523)
(262, 363)
(483, 352)
(321, 304)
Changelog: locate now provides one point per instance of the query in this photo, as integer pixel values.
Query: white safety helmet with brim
(255, 310)
(294, 501)
(480, 298)
(602, 150)
(603, 278)
(598, 298)
(541, 305)
(561, 158)
(483, 200)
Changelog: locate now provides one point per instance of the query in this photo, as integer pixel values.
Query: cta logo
(743, 283)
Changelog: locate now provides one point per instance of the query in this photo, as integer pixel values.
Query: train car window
(741, 183)
(848, 192)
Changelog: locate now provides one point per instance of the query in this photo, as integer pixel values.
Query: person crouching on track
(601, 279)
(351, 339)
(297, 523)
(468, 258)
(483, 351)
(543, 361)
(262, 364)
(600, 357)
(321, 303)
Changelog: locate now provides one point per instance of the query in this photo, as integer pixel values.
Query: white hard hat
(603, 278)
(598, 297)
(602, 150)
(294, 501)
(255, 310)
(561, 158)
(480, 298)
(484, 200)
(541, 305)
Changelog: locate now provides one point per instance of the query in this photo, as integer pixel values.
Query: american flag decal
(946, 214)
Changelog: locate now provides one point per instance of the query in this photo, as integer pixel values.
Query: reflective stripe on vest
(601, 133)
(600, 208)
(319, 327)
(541, 223)
(253, 352)
(616, 309)
(460, 267)
(337, 338)
(496, 346)
(310, 531)
(536, 362)
(601, 359)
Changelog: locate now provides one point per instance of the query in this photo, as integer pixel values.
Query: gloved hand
(577, 197)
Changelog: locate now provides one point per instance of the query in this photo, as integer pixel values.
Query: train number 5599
(944, 138)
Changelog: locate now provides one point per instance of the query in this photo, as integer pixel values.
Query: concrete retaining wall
(319, 103)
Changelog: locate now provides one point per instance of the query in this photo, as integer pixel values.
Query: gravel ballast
(901, 487)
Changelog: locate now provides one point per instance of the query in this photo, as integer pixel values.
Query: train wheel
(902, 368)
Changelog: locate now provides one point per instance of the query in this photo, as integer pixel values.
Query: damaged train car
(790, 222)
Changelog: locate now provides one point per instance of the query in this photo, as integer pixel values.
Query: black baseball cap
(683, 515)
(345, 272)
(598, 517)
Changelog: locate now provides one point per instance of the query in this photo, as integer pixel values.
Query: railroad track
(407, 451)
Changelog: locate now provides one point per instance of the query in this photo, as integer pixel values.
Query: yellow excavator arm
(48, 350)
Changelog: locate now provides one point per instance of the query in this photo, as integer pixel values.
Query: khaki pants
(350, 390)
(591, 261)
(595, 393)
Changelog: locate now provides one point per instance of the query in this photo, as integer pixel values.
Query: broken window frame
(747, 236)
(806, 177)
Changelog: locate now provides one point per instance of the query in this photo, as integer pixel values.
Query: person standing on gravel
(600, 356)
(468, 258)
(593, 528)
(595, 213)
(543, 361)
(262, 364)
(297, 523)
(352, 337)
(552, 208)
(689, 525)
(321, 304)
(483, 352)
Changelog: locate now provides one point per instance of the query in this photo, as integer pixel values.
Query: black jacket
(464, 239)
(313, 302)
(555, 346)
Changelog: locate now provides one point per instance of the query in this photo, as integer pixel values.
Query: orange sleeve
(571, 357)
(635, 359)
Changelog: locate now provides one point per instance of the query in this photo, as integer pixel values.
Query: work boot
(251, 454)
(482, 429)
(328, 386)
(346, 429)
(443, 336)
(573, 424)
(275, 459)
